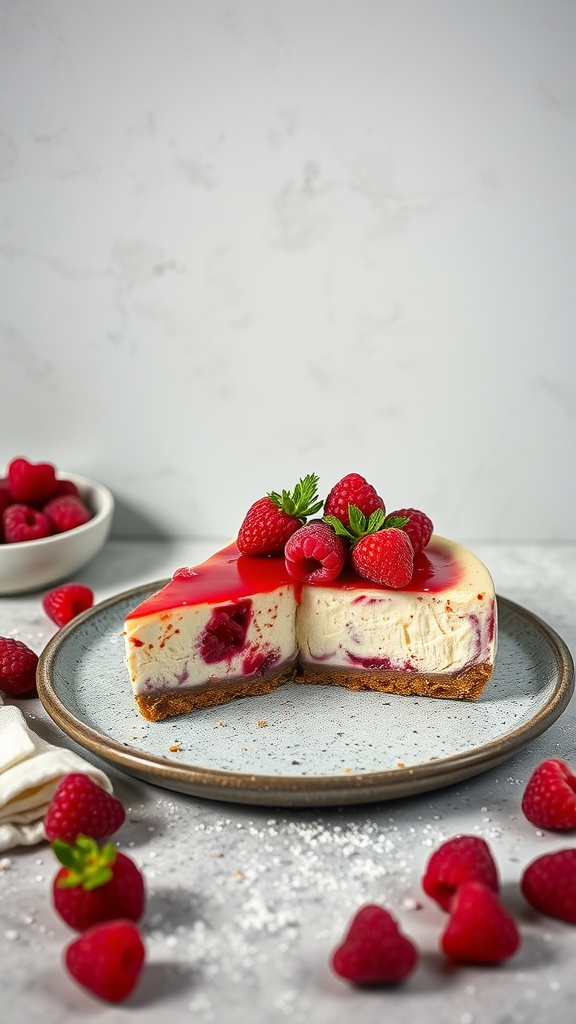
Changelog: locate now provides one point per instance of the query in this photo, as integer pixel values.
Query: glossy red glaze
(229, 576)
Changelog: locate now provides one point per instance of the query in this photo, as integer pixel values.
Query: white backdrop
(243, 240)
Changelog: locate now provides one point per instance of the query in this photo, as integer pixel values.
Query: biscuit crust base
(467, 684)
(464, 685)
(165, 703)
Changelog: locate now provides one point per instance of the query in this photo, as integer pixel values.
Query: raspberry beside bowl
(35, 564)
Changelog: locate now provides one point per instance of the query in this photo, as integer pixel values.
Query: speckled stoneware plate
(304, 745)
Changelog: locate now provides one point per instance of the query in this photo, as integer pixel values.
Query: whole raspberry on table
(418, 526)
(549, 884)
(22, 523)
(107, 959)
(271, 520)
(374, 950)
(31, 483)
(66, 512)
(352, 489)
(458, 860)
(315, 553)
(549, 799)
(17, 668)
(81, 807)
(64, 603)
(95, 884)
(480, 930)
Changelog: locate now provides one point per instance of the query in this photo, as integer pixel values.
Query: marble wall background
(242, 240)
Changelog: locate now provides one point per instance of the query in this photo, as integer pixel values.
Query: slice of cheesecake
(435, 637)
(237, 626)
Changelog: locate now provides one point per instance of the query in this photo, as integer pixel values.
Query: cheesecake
(240, 625)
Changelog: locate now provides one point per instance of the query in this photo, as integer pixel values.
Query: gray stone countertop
(246, 904)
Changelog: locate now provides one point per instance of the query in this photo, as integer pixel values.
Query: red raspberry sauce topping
(229, 576)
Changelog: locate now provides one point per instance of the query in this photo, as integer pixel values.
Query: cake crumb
(174, 747)
(262, 723)
(400, 764)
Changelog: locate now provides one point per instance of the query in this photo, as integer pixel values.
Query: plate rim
(305, 790)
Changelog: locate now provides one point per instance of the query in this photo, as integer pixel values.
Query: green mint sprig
(302, 502)
(361, 526)
(89, 865)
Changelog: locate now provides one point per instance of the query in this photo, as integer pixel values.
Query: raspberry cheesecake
(358, 599)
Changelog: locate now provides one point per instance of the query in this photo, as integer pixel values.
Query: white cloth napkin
(30, 770)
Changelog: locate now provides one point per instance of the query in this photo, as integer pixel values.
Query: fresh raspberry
(270, 521)
(67, 512)
(22, 522)
(17, 668)
(80, 806)
(480, 930)
(374, 951)
(31, 483)
(419, 527)
(315, 554)
(5, 496)
(459, 860)
(95, 884)
(65, 486)
(5, 501)
(107, 959)
(352, 489)
(64, 603)
(549, 884)
(549, 800)
(385, 557)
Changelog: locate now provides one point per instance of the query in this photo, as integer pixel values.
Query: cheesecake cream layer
(406, 630)
(436, 639)
(237, 625)
(209, 631)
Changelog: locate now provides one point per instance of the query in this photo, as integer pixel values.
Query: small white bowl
(37, 564)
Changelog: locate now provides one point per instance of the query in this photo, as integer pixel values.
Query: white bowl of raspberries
(52, 523)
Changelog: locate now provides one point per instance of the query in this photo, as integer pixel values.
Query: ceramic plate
(304, 745)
